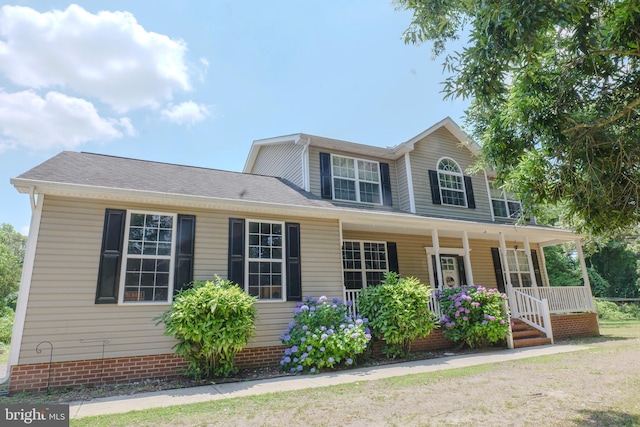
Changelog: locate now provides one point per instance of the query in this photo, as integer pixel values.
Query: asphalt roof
(104, 171)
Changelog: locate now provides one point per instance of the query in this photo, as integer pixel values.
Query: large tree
(555, 97)
(12, 248)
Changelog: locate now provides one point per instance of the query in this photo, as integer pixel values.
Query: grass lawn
(600, 386)
(4, 357)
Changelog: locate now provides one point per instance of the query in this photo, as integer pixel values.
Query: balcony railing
(563, 299)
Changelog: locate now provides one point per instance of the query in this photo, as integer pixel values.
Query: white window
(452, 191)
(356, 180)
(364, 263)
(519, 268)
(265, 261)
(504, 205)
(148, 263)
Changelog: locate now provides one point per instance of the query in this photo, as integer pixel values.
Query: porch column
(436, 249)
(585, 275)
(467, 258)
(534, 281)
(505, 263)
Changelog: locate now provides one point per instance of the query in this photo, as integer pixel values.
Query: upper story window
(451, 180)
(147, 263)
(356, 180)
(505, 205)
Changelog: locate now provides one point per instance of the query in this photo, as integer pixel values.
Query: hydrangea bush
(399, 312)
(474, 315)
(322, 335)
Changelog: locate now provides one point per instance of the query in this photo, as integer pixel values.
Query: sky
(195, 82)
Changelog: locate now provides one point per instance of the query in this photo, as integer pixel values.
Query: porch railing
(563, 299)
(532, 311)
(351, 295)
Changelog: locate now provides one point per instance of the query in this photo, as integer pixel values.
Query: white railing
(531, 310)
(563, 299)
(352, 296)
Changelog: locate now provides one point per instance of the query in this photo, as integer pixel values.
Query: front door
(450, 272)
(453, 275)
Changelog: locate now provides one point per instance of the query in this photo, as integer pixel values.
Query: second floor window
(452, 191)
(504, 205)
(355, 180)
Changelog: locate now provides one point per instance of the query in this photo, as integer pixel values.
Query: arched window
(452, 191)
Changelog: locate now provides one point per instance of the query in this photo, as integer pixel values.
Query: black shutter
(235, 267)
(536, 267)
(385, 178)
(461, 271)
(435, 271)
(185, 240)
(435, 187)
(110, 256)
(471, 201)
(392, 255)
(325, 176)
(294, 274)
(497, 266)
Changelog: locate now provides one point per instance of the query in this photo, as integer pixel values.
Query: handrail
(532, 311)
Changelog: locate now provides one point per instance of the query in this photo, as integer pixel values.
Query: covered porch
(445, 253)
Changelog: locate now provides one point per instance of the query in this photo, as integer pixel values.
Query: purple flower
(292, 370)
(322, 298)
(309, 348)
(323, 328)
(299, 368)
(354, 335)
(349, 303)
(330, 332)
(287, 359)
(287, 351)
(349, 361)
(475, 304)
(331, 360)
(465, 318)
(367, 336)
(359, 322)
(312, 370)
(324, 336)
(322, 349)
(294, 349)
(305, 327)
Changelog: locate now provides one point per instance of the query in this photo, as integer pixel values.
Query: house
(112, 239)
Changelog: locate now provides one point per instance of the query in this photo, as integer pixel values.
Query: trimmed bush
(609, 310)
(474, 316)
(322, 335)
(212, 322)
(6, 325)
(398, 312)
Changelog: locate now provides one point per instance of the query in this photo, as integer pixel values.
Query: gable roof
(390, 153)
(102, 173)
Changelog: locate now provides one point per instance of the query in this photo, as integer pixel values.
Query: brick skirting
(121, 369)
(126, 369)
(575, 325)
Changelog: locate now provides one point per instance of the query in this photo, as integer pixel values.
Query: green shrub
(474, 316)
(6, 324)
(609, 310)
(398, 312)
(322, 335)
(212, 322)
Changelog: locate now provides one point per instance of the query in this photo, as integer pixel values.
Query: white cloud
(107, 55)
(187, 113)
(57, 120)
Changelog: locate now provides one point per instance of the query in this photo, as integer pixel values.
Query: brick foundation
(135, 368)
(575, 325)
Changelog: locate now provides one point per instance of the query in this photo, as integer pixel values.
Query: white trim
(125, 256)
(412, 198)
(486, 181)
(467, 258)
(505, 261)
(435, 241)
(25, 284)
(283, 261)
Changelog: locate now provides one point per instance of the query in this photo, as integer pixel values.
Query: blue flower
(294, 349)
(324, 336)
(305, 327)
(349, 361)
(322, 298)
(287, 359)
(309, 348)
(299, 368)
(331, 360)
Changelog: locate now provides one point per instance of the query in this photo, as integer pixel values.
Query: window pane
(265, 277)
(369, 193)
(368, 171)
(344, 190)
(514, 209)
(452, 197)
(499, 208)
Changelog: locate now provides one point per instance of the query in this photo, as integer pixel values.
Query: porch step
(527, 336)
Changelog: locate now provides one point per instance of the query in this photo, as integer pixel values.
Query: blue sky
(197, 82)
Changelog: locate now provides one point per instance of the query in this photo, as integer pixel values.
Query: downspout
(25, 280)
(306, 185)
